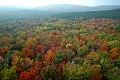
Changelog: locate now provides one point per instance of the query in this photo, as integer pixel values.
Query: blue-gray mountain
(62, 8)
(75, 8)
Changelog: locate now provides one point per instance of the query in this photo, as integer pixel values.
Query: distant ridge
(113, 14)
(75, 8)
(62, 8)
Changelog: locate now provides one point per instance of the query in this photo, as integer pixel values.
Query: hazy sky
(36, 3)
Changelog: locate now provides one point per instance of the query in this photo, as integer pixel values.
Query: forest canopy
(60, 49)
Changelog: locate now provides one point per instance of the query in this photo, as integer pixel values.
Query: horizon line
(53, 4)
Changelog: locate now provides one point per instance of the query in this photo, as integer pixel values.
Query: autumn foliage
(59, 49)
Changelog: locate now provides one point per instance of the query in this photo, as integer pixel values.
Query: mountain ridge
(13, 13)
(62, 8)
(75, 8)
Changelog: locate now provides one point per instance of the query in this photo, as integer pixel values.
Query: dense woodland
(60, 49)
(22, 14)
(114, 14)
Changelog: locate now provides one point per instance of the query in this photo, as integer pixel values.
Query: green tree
(117, 28)
(82, 50)
(113, 73)
(38, 57)
(8, 74)
(59, 56)
(70, 52)
(114, 43)
(74, 71)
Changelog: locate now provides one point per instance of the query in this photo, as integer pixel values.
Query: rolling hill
(75, 8)
(59, 10)
(114, 14)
